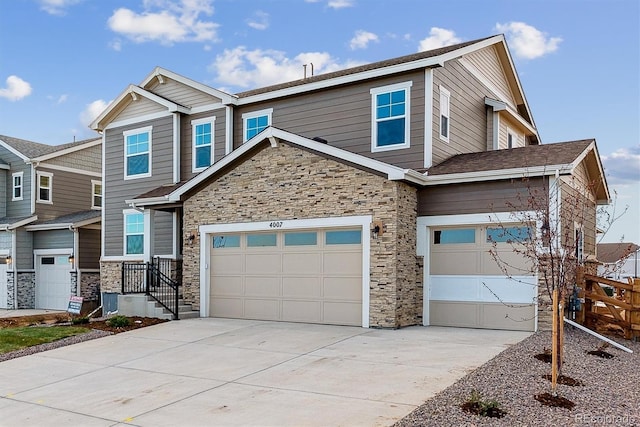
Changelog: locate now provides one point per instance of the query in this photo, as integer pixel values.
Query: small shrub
(80, 320)
(485, 408)
(118, 321)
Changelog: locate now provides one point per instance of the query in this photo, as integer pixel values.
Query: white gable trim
(69, 150)
(159, 71)
(14, 151)
(139, 119)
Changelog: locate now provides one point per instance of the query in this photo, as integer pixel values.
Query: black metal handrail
(151, 278)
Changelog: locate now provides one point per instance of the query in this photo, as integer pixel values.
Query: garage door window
(261, 240)
(343, 237)
(226, 241)
(454, 236)
(301, 239)
(48, 260)
(508, 234)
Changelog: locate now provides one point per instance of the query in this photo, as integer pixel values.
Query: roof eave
(499, 174)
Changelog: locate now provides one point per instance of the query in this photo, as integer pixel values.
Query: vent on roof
(322, 140)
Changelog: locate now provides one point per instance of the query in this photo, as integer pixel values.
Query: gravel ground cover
(610, 395)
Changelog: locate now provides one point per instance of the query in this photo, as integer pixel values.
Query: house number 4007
(275, 224)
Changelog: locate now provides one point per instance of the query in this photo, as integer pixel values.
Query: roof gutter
(455, 178)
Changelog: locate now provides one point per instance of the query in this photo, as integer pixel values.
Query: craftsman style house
(367, 196)
(50, 211)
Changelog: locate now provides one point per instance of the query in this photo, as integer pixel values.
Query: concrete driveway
(235, 372)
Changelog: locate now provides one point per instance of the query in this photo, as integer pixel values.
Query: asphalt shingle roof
(72, 218)
(612, 252)
(32, 149)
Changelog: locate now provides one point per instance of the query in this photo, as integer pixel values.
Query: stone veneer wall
(291, 183)
(26, 289)
(111, 276)
(90, 285)
(11, 290)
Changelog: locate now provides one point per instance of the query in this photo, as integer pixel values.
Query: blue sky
(63, 61)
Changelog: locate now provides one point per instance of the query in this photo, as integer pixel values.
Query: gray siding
(71, 193)
(89, 248)
(478, 197)
(3, 192)
(22, 207)
(181, 94)
(89, 159)
(163, 229)
(24, 249)
(5, 240)
(52, 239)
(117, 190)
(342, 115)
(186, 145)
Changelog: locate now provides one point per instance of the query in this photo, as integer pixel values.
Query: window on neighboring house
(509, 139)
(255, 122)
(579, 242)
(17, 185)
(133, 233)
(390, 117)
(445, 114)
(137, 153)
(96, 194)
(202, 136)
(45, 185)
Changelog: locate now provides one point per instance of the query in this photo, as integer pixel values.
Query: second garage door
(312, 276)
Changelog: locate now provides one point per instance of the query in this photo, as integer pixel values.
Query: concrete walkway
(26, 312)
(246, 373)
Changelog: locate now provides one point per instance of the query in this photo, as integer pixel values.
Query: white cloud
(116, 45)
(57, 7)
(166, 21)
(16, 89)
(259, 21)
(340, 4)
(438, 37)
(362, 39)
(623, 165)
(526, 41)
(92, 111)
(245, 69)
(62, 98)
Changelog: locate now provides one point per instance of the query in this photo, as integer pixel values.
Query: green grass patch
(17, 338)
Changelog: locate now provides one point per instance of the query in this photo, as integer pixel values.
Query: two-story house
(50, 212)
(365, 197)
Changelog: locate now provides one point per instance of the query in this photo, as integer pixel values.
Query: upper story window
(510, 138)
(137, 153)
(390, 117)
(17, 179)
(133, 233)
(202, 136)
(96, 194)
(445, 114)
(45, 187)
(255, 122)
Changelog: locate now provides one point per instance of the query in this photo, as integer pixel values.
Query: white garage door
(312, 276)
(3, 284)
(53, 282)
(468, 288)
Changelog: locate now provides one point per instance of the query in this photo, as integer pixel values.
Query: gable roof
(28, 150)
(158, 73)
(76, 219)
(610, 253)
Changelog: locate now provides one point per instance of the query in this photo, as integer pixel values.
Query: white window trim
(246, 116)
(50, 188)
(444, 93)
(125, 134)
(195, 123)
(125, 213)
(406, 86)
(94, 183)
(14, 186)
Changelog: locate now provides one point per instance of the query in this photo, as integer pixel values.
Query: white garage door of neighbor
(3, 285)
(311, 276)
(468, 288)
(53, 282)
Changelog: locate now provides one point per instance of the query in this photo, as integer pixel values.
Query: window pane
(508, 234)
(263, 122)
(226, 241)
(383, 99)
(343, 237)
(391, 132)
(49, 260)
(309, 238)
(259, 240)
(137, 165)
(460, 235)
(97, 200)
(397, 110)
(203, 156)
(444, 126)
(97, 189)
(252, 123)
(398, 96)
(383, 112)
(44, 181)
(44, 194)
(134, 223)
(135, 244)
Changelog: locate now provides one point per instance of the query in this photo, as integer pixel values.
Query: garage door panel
(226, 307)
(264, 263)
(510, 261)
(305, 263)
(520, 289)
(342, 313)
(454, 262)
(349, 263)
(259, 286)
(343, 288)
(301, 287)
(302, 311)
(226, 285)
(515, 318)
(3, 285)
(226, 263)
(456, 288)
(53, 281)
(266, 309)
(449, 313)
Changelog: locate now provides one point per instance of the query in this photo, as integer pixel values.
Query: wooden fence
(622, 309)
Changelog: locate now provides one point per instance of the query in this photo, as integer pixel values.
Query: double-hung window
(390, 117)
(137, 153)
(96, 194)
(445, 114)
(45, 187)
(17, 185)
(255, 122)
(202, 136)
(133, 233)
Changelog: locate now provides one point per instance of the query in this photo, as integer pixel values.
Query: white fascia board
(22, 223)
(138, 119)
(433, 61)
(517, 117)
(56, 226)
(68, 169)
(579, 160)
(223, 96)
(495, 104)
(5, 167)
(147, 201)
(494, 175)
(69, 150)
(14, 151)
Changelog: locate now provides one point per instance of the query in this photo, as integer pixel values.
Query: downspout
(34, 165)
(13, 266)
(176, 148)
(76, 256)
(228, 130)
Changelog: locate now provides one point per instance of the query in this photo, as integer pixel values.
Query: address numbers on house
(276, 224)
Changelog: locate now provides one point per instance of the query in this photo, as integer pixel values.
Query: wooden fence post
(580, 283)
(554, 343)
(634, 315)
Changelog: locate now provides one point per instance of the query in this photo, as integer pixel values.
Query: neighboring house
(50, 211)
(619, 260)
(361, 197)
